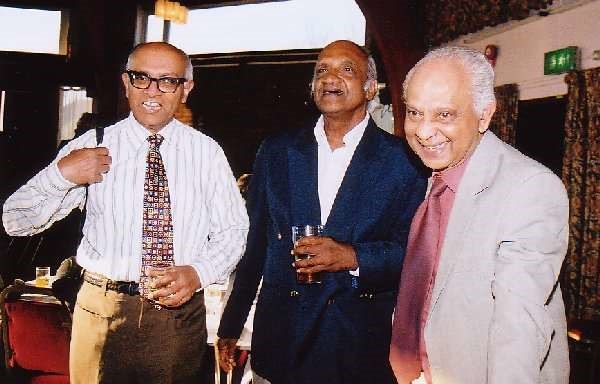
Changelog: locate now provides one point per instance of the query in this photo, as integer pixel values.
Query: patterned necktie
(415, 283)
(157, 232)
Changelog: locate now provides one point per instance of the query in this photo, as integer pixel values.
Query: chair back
(36, 331)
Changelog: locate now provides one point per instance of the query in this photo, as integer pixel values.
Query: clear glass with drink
(146, 281)
(42, 277)
(299, 232)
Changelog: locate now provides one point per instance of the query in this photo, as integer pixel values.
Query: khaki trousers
(117, 338)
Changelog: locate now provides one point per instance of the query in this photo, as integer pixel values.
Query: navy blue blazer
(337, 331)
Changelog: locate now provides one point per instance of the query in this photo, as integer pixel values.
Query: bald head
(159, 47)
(345, 44)
(371, 68)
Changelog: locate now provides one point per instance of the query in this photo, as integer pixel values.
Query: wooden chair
(36, 331)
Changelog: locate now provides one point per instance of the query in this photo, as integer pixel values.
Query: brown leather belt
(130, 288)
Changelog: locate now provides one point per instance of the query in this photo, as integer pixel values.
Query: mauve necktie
(415, 283)
(157, 232)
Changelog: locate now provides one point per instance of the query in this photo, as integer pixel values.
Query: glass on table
(42, 277)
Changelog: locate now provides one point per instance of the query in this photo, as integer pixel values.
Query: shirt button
(279, 237)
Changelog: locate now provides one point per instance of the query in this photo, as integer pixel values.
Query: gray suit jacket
(496, 314)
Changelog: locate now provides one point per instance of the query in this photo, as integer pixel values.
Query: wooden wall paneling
(102, 36)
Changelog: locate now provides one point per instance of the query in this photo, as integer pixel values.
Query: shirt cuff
(55, 180)
(206, 273)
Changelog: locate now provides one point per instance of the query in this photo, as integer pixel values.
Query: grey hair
(371, 73)
(475, 65)
(189, 68)
(371, 79)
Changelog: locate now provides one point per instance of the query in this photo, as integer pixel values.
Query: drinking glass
(298, 232)
(42, 277)
(146, 280)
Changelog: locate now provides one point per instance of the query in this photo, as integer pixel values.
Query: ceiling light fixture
(171, 10)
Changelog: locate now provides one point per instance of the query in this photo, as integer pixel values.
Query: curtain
(447, 20)
(73, 103)
(581, 175)
(504, 121)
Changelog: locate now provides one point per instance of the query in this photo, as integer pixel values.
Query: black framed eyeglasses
(141, 80)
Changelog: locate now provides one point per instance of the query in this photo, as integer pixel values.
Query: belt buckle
(130, 288)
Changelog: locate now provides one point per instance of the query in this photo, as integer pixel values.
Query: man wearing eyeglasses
(159, 194)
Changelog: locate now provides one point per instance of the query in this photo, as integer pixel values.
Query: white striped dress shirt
(209, 217)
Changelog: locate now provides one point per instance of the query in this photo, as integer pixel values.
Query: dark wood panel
(241, 105)
(29, 137)
(541, 130)
(34, 71)
(52, 5)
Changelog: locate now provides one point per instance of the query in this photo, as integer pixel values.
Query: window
(155, 28)
(73, 103)
(284, 25)
(30, 30)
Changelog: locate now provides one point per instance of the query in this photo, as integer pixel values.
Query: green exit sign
(560, 61)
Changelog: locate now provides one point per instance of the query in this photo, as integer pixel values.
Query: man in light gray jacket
(479, 299)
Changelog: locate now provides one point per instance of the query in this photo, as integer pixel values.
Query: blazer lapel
(342, 216)
(303, 179)
(478, 176)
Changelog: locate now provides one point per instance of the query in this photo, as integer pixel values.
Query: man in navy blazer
(358, 182)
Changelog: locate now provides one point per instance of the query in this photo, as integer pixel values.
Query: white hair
(189, 68)
(475, 65)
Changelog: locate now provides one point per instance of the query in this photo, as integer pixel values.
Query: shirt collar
(452, 176)
(141, 134)
(351, 138)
